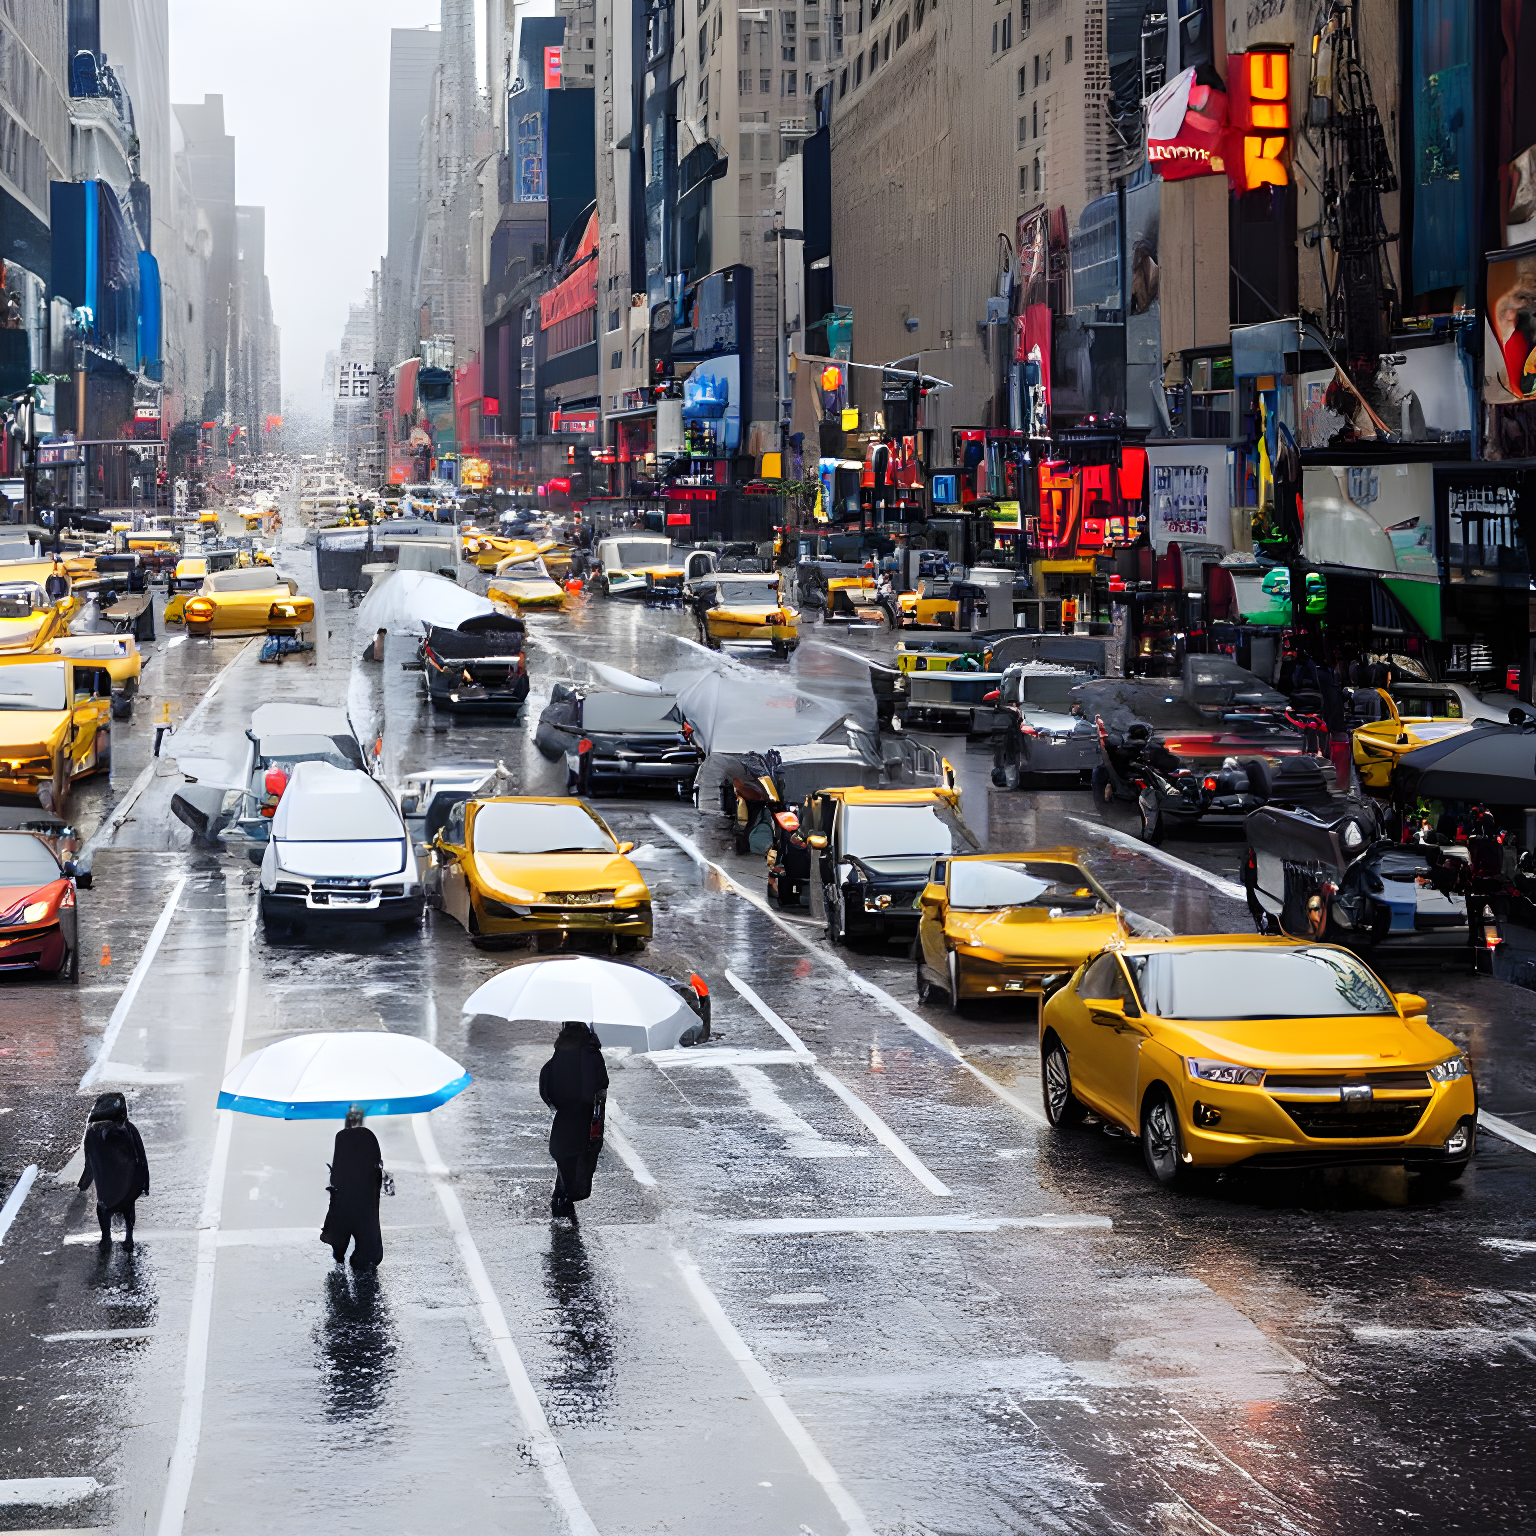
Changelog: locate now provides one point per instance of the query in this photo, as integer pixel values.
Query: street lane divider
(13, 1201)
(1506, 1131)
(773, 1399)
(189, 1429)
(542, 1445)
(624, 1146)
(98, 1067)
(878, 995)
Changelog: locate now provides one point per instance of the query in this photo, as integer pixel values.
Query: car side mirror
(1410, 1003)
(1107, 1010)
(817, 841)
(626, 847)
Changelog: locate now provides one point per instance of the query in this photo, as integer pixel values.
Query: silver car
(1045, 733)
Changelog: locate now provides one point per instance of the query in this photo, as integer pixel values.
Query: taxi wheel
(1162, 1147)
(1062, 1106)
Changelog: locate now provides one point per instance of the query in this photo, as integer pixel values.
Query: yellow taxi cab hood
(1369, 1042)
(1031, 930)
(30, 732)
(540, 872)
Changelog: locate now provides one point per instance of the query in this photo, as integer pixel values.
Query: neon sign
(1259, 115)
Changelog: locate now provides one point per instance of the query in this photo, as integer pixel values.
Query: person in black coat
(357, 1176)
(574, 1083)
(115, 1163)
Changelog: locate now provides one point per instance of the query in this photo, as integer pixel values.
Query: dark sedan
(622, 742)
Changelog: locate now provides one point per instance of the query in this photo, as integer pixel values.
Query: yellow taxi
(549, 869)
(489, 550)
(748, 607)
(28, 619)
(208, 519)
(924, 609)
(634, 564)
(1379, 745)
(995, 924)
(117, 655)
(1230, 1050)
(55, 726)
(520, 584)
(854, 597)
(251, 602)
(186, 580)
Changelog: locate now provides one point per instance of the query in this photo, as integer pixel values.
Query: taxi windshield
(26, 860)
(637, 552)
(887, 833)
(978, 885)
(36, 686)
(1254, 983)
(527, 570)
(517, 827)
(748, 593)
(1428, 706)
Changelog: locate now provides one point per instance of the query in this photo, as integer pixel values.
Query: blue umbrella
(320, 1077)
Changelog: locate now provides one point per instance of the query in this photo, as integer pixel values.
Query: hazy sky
(306, 95)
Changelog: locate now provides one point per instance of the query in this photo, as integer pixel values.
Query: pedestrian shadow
(357, 1347)
(581, 1333)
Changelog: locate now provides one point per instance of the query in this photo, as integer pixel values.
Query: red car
(38, 919)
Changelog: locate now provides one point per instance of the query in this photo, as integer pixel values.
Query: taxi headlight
(1449, 1071)
(632, 892)
(1206, 1071)
(34, 912)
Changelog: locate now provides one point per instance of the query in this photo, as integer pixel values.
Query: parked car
(618, 741)
(38, 917)
(428, 794)
(338, 851)
(996, 924)
(940, 604)
(634, 565)
(525, 583)
(255, 601)
(55, 726)
(738, 607)
(28, 620)
(520, 866)
(118, 655)
(872, 850)
(1045, 733)
(1224, 1051)
(478, 668)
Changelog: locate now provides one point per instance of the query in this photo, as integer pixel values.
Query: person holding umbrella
(357, 1177)
(574, 1083)
(115, 1163)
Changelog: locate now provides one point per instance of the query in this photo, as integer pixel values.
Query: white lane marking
(97, 1068)
(624, 1147)
(46, 1492)
(877, 1127)
(84, 1334)
(778, 1024)
(725, 1056)
(918, 1025)
(1113, 835)
(240, 1237)
(1510, 1244)
(1508, 1132)
(792, 1226)
(545, 1449)
(773, 1399)
(884, 1134)
(801, 1138)
(14, 1199)
(178, 1482)
(119, 813)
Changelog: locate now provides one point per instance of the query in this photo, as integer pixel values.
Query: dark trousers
(573, 1175)
(104, 1216)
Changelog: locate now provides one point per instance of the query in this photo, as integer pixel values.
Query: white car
(339, 851)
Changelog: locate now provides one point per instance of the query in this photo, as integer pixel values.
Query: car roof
(534, 800)
(1224, 941)
(1036, 855)
(300, 720)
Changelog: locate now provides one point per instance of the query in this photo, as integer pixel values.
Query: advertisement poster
(1370, 517)
(1180, 501)
(1509, 349)
(1480, 522)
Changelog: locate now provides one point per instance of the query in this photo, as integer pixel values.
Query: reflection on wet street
(836, 1272)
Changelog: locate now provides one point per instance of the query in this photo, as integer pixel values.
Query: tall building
(413, 54)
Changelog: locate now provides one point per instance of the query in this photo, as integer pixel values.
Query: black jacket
(115, 1163)
(357, 1175)
(574, 1083)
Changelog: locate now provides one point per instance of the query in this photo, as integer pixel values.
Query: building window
(813, 49)
(807, 85)
(1068, 58)
(746, 82)
(885, 47)
(1047, 67)
(1023, 180)
(860, 27)
(842, 84)
(903, 27)
(994, 37)
(1023, 78)
(703, 89)
(1037, 69)
(1037, 173)
(858, 69)
(1023, 130)
(613, 323)
(617, 360)
(1034, 113)
(765, 82)
(1008, 31)
(1023, 18)
(787, 36)
(917, 20)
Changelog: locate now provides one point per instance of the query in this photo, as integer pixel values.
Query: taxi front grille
(1280, 1081)
(1350, 1122)
(579, 898)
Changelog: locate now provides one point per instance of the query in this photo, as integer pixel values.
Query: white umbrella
(625, 1005)
(405, 600)
(320, 1076)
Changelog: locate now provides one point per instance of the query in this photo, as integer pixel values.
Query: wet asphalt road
(770, 1319)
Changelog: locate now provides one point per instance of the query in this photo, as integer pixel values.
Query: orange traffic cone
(106, 954)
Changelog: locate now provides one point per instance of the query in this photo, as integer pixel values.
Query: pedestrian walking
(574, 1083)
(357, 1178)
(115, 1163)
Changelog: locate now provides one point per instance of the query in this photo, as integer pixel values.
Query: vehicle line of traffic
(899, 1011)
(873, 1123)
(183, 1460)
(97, 1069)
(1171, 861)
(545, 1449)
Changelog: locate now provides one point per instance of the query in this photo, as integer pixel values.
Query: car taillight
(699, 987)
(583, 746)
(1210, 785)
(788, 820)
(687, 731)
